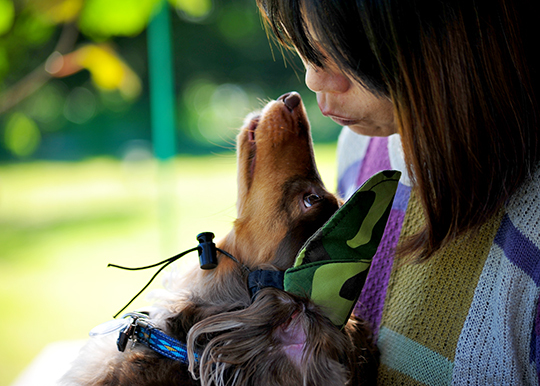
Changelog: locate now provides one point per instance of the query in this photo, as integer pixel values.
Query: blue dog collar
(141, 330)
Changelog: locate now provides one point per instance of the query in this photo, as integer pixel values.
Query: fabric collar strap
(260, 278)
(140, 330)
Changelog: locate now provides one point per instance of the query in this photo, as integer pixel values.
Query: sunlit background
(101, 161)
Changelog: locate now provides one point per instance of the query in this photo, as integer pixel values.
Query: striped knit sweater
(470, 315)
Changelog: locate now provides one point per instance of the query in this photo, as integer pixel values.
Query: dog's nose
(291, 100)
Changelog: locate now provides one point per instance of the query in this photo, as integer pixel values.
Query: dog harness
(330, 269)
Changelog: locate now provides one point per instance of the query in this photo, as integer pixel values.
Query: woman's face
(348, 103)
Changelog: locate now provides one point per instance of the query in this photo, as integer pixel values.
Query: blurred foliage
(74, 83)
(102, 19)
(7, 13)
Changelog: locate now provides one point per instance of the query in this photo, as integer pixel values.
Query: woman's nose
(323, 80)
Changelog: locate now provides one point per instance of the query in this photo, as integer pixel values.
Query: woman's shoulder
(360, 156)
(523, 213)
(351, 149)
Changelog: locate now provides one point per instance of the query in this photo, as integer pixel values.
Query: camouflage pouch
(332, 266)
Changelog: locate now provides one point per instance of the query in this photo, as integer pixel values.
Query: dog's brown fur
(279, 338)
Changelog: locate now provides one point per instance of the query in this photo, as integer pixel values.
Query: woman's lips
(336, 117)
(343, 121)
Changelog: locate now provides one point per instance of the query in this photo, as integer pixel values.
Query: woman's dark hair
(462, 75)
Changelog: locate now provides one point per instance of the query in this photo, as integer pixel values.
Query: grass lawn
(62, 223)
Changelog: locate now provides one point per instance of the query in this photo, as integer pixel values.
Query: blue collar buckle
(141, 330)
(129, 332)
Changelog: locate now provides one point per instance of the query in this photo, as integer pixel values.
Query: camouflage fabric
(332, 266)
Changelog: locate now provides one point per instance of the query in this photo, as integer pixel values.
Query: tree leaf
(7, 15)
(101, 19)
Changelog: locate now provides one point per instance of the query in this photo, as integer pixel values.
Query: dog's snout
(291, 100)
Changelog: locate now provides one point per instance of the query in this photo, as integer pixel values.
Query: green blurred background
(80, 180)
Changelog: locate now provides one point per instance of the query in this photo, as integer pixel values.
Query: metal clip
(129, 333)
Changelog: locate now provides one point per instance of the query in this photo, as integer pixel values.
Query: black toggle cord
(207, 257)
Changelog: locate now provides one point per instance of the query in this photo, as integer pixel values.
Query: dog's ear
(332, 267)
(301, 229)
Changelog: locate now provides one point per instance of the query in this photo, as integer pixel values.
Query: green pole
(160, 65)
(162, 112)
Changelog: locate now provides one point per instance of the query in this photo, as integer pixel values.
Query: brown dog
(273, 338)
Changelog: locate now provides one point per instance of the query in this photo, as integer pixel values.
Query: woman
(446, 91)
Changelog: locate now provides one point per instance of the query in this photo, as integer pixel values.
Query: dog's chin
(246, 150)
(253, 121)
(252, 144)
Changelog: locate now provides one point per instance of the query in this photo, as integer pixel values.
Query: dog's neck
(228, 280)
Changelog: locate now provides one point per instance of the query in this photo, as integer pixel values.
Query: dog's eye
(311, 199)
